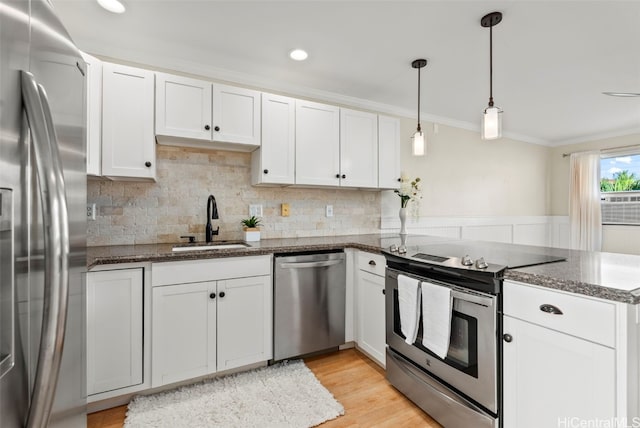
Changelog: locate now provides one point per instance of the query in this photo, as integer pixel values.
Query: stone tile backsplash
(144, 213)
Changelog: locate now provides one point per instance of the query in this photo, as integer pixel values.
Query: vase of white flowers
(409, 192)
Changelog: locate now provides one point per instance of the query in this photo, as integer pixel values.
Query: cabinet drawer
(209, 270)
(581, 317)
(374, 263)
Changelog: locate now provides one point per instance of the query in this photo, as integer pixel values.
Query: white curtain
(585, 216)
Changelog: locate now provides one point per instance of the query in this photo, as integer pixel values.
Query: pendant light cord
(419, 130)
(491, 66)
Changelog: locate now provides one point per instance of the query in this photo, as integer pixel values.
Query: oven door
(470, 366)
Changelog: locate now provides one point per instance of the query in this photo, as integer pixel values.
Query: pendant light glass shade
(418, 144)
(492, 123)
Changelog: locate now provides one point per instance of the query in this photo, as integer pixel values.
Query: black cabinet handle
(337, 175)
(221, 294)
(507, 338)
(207, 127)
(372, 263)
(147, 164)
(550, 309)
(266, 171)
(399, 180)
(212, 295)
(344, 176)
(217, 128)
(384, 291)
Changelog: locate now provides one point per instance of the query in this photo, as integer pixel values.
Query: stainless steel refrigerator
(42, 221)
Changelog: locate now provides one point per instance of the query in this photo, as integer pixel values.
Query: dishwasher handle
(300, 265)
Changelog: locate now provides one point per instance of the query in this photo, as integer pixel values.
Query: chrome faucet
(212, 214)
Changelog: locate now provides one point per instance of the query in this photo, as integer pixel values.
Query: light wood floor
(353, 379)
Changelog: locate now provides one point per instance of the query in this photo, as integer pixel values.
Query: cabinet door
(128, 141)
(236, 115)
(94, 114)
(317, 144)
(244, 321)
(358, 149)
(551, 377)
(183, 332)
(371, 319)
(388, 152)
(274, 161)
(183, 107)
(114, 329)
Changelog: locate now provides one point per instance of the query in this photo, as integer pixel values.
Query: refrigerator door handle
(56, 245)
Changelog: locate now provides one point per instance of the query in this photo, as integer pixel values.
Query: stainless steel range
(458, 385)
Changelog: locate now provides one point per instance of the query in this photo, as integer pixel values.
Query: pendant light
(418, 138)
(492, 117)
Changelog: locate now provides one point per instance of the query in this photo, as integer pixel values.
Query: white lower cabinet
(558, 367)
(114, 330)
(371, 306)
(202, 327)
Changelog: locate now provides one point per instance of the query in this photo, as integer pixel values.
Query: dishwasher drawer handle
(300, 265)
(550, 309)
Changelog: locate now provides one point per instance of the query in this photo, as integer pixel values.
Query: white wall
(464, 176)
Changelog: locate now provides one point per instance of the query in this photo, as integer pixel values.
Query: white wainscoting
(546, 231)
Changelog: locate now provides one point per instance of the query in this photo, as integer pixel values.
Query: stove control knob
(402, 249)
(466, 261)
(393, 248)
(481, 264)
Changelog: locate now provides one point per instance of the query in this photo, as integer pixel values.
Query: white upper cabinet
(388, 152)
(191, 112)
(317, 144)
(358, 149)
(236, 115)
(274, 161)
(94, 114)
(183, 107)
(128, 143)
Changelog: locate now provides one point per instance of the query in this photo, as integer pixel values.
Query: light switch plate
(91, 211)
(329, 210)
(284, 210)
(255, 210)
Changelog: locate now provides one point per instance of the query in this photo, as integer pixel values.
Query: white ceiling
(552, 59)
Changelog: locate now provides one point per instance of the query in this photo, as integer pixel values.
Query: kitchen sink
(210, 246)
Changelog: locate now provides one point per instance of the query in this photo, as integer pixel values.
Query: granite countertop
(608, 276)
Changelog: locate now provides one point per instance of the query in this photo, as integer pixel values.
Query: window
(620, 189)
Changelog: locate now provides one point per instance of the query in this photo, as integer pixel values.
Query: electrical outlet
(91, 211)
(329, 210)
(255, 210)
(284, 210)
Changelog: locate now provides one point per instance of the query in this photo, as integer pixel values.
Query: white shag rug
(283, 395)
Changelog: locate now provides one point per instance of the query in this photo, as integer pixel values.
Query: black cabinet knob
(221, 294)
(372, 263)
(507, 338)
(344, 176)
(399, 180)
(217, 128)
(384, 291)
(212, 295)
(147, 164)
(266, 171)
(337, 175)
(207, 127)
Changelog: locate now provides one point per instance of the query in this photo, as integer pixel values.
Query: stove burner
(430, 257)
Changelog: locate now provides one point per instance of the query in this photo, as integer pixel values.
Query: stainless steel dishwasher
(309, 303)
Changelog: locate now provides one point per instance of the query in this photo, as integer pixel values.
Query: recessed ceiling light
(298, 54)
(622, 94)
(112, 5)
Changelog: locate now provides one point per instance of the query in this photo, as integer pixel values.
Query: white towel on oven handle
(437, 303)
(409, 307)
